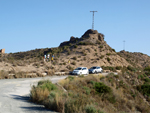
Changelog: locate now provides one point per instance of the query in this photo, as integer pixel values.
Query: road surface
(14, 95)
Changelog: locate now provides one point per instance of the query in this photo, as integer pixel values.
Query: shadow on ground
(29, 106)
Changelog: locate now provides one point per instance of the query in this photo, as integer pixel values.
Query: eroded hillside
(89, 50)
(136, 59)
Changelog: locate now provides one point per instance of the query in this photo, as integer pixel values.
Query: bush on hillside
(101, 88)
(41, 92)
(108, 59)
(147, 68)
(118, 67)
(131, 68)
(85, 43)
(144, 89)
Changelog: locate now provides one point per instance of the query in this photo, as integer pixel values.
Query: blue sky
(30, 24)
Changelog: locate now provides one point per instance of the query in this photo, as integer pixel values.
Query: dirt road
(14, 95)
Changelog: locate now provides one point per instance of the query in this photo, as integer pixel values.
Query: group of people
(48, 58)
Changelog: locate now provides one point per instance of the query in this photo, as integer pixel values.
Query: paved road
(14, 95)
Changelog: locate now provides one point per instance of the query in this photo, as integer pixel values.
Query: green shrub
(87, 89)
(85, 43)
(70, 44)
(68, 53)
(131, 68)
(77, 104)
(140, 76)
(70, 68)
(144, 75)
(101, 57)
(118, 67)
(116, 76)
(75, 46)
(108, 59)
(46, 84)
(147, 73)
(108, 54)
(147, 80)
(73, 63)
(111, 98)
(74, 58)
(84, 58)
(147, 68)
(101, 46)
(79, 56)
(102, 88)
(43, 82)
(64, 63)
(98, 42)
(92, 82)
(90, 109)
(144, 89)
(109, 68)
(70, 78)
(114, 50)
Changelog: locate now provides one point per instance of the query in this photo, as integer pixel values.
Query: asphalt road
(14, 95)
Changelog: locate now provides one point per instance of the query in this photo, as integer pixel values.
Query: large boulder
(93, 36)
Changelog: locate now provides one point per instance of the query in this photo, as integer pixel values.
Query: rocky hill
(136, 59)
(89, 50)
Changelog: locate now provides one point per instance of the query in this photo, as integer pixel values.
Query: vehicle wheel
(95, 72)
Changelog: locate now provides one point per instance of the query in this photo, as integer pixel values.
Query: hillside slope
(136, 59)
(89, 50)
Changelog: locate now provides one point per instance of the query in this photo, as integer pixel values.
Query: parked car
(81, 71)
(95, 69)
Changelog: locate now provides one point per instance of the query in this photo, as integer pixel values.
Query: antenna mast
(124, 45)
(93, 19)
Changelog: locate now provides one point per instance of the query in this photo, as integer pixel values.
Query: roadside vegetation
(127, 92)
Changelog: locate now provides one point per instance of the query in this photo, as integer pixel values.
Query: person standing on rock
(69, 61)
(52, 57)
(48, 57)
(44, 57)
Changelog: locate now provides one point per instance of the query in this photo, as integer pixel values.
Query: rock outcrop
(90, 36)
(93, 35)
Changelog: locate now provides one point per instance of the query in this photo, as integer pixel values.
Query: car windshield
(79, 68)
(93, 68)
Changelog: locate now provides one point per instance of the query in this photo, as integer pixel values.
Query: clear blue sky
(30, 24)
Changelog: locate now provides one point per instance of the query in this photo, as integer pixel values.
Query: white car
(95, 69)
(81, 71)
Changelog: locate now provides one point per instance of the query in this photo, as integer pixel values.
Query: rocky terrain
(136, 59)
(89, 50)
(128, 91)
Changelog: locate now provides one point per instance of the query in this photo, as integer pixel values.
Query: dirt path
(14, 95)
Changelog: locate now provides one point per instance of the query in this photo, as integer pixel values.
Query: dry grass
(3, 74)
(38, 94)
(82, 97)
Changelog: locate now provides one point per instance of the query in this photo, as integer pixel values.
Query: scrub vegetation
(123, 93)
